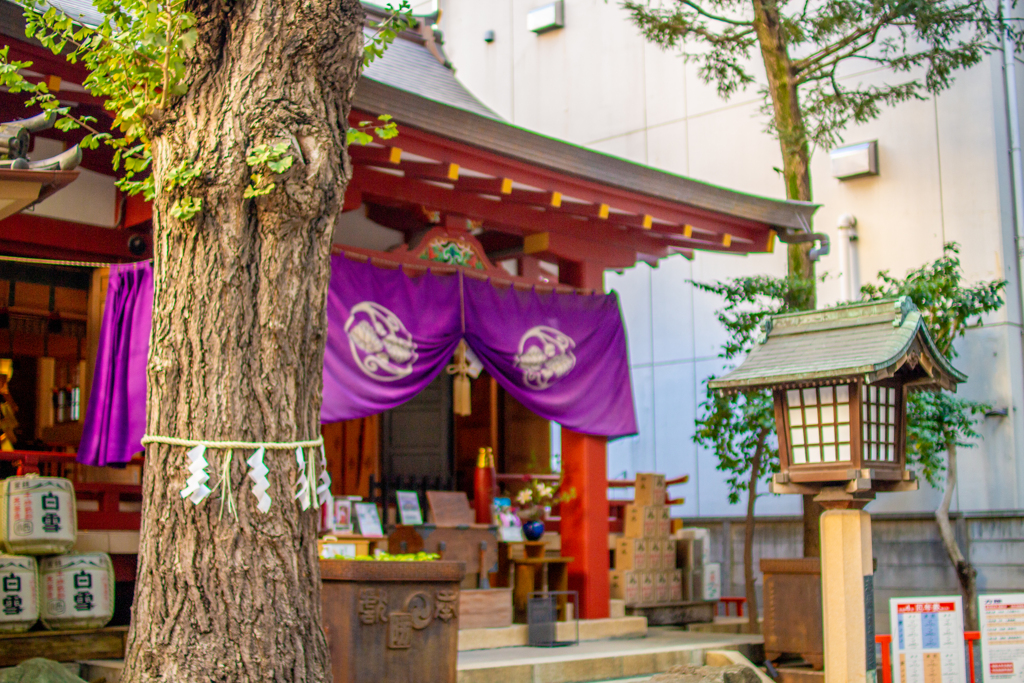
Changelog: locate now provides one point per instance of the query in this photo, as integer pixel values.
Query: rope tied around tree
(310, 489)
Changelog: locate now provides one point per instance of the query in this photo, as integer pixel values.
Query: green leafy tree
(740, 427)
(804, 48)
(940, 423)
(233, 118)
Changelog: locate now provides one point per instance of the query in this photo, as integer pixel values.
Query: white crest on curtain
(381, 345)
(545, 356)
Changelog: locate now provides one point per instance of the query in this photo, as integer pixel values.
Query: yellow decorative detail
(648, 222)
(395, 155)
(726, 240)
(602, 211)
(556, 199)
(536, 243)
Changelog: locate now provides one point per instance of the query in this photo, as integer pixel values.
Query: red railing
(969, 638)
(885, 640)
(28, 462)
(727, 603)
(110, 515)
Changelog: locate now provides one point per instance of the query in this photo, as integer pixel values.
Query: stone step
(107, 669)
(594, 661)
(517, 635)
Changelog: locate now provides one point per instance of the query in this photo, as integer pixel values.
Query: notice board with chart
(927, 640)
(1002, 637)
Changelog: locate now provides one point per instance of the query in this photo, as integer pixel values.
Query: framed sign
(927, 640)
(342, 521)
(369, 520)
(1002, 637)
(409, 512)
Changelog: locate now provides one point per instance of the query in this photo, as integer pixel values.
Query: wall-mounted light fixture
(855, 161)
(547, 17)
(488, 36)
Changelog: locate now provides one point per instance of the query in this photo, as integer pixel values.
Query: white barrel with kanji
(77, 591)
(19, 593)
(37, 515)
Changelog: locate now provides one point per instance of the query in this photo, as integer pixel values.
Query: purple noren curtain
(563, 356)
(389, 334)
(115, 420)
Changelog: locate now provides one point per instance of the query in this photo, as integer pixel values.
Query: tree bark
(966, 574)
(236, 351)
(753, 624)
(789, 123)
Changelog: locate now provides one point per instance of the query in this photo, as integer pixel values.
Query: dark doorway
(416, 437)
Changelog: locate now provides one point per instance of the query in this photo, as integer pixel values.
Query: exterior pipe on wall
(1016, 161)
(848, 260)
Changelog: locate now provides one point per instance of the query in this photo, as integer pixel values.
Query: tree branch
(815, 59)
(700, 10)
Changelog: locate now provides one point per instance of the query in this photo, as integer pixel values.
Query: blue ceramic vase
(533, 530)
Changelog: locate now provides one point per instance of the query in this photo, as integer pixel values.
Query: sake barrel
(19, 593)
(77, 591)
(37, 515)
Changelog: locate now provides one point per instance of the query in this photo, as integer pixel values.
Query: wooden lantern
(840, 379)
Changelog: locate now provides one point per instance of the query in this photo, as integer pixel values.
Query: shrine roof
(412, 68)
(866, 342)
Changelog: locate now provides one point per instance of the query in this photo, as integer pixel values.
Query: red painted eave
(40, 237)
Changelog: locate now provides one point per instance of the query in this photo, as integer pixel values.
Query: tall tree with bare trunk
(232, 116)
(825, 66)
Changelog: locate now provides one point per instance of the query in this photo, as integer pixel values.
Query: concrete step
(107, 670)
(593, 661)
(517, 635)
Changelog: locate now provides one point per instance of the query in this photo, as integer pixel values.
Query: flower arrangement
(538, 496)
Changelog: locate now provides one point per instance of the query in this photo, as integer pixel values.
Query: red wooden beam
(40, 237)
(430, 146)
(492, 186)
(569, 247)
(517, 218)
(524, 220)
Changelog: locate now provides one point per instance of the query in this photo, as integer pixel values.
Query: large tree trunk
(753, 624)
(966, 574)
(789, 123)
(236, 352)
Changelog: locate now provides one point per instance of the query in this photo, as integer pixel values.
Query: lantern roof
(861, 342)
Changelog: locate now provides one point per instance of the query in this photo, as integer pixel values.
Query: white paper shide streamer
(258, 473)
(302, 493)
(195, 486)
(323, 490)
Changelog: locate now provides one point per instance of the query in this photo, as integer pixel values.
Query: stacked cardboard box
(701, 580)
(645, 557)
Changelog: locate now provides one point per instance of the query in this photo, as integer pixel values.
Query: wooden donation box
(840, 379)
(392, 622)
(792, 609)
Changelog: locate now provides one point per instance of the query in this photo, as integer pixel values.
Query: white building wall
(943, 177)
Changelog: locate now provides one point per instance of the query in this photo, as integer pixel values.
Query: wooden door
(416, 437)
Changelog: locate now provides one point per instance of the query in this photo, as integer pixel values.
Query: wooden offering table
(392, 621)
(533, 572)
